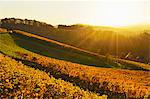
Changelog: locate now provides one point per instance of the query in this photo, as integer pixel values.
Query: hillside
(20, 81)
(116, 83)
(57, 66)
(120, 42)
(113, 82)
(19, 41)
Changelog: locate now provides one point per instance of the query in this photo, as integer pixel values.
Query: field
(25, 41)
(86, 70)
(117, 41)
(15, 83)
(75, 49)
(127, 83)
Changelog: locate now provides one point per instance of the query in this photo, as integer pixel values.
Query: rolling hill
(71, 66)
(24, 41)
(115, 83)
(118, 42)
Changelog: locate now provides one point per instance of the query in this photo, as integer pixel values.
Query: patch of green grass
(9, 47)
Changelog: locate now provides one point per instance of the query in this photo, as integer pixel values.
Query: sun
(117, 14)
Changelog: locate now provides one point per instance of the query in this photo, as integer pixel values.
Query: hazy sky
(103, 12)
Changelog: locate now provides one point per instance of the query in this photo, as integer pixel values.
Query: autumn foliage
(20, 81)
(132, 83)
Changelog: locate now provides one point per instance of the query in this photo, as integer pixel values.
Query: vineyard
(130, 83)
(49, 77)
(18, 80)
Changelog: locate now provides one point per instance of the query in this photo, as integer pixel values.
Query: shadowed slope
(44, 46)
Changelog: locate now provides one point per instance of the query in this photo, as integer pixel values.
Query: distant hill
(125, 42)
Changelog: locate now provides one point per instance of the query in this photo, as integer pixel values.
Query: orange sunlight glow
(118, 14)
(92, 12)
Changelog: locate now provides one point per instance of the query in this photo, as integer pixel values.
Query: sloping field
(20, 81)
(51, 49)
(62, 51)
(131, 83)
